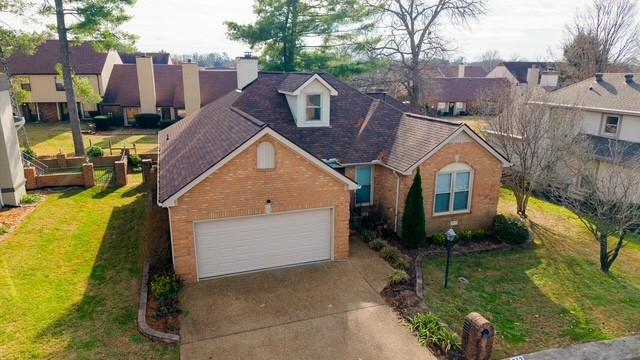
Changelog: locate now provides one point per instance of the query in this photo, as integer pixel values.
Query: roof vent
(628, 78)
(599, 76)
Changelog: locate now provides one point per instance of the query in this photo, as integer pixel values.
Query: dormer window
(314, 107)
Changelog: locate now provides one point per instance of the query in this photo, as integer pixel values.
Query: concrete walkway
(627, 348)
(330, 310)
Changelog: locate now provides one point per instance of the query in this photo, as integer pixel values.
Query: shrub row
(165, 289)
(431, 331)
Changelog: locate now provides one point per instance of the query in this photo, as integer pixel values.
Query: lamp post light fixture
(451, 235)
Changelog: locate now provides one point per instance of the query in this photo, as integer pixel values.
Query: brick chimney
(461, 68)
(12, 179)
(533, 75)
(246, 69)
(191, 86)
(146, 85)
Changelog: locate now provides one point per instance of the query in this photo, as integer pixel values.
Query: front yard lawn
(48, 139)
(70, 276)
(552, 294)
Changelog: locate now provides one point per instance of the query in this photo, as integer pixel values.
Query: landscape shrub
(95, 151)
(147, 120)
(510, 230)
(465, 235)
(30, 153)
(371, 220)
(164, 289)
(391, 254)
(403, 262)
(479, 235)
(377, 244)
(439, 238)
(102, 122)
(163, 124)
(29, 198)
(413, 220)
(431, 331)
(135, 161)
(398, 277)
(368, 235)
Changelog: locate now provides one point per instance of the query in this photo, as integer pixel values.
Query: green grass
(552, 294)
(49, 139)
(69, 278)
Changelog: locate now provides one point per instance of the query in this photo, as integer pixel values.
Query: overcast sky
(527, 28)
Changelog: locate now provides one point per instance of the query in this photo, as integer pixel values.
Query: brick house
(268, 175)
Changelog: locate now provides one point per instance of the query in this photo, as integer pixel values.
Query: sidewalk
(627, 348)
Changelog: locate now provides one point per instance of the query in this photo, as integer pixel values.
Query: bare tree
(411, 37)
(603, 191)
(489, 59)
(615, 24)
(533, 136)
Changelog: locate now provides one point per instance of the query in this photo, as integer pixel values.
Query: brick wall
(485, 193)
(239, 189)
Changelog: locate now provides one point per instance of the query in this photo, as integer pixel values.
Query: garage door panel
(253, 243)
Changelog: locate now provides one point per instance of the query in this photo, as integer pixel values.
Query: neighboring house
(265, 176)
(144, 87)
(37, 74)
(463, 70)
(459, 96)
(159, 58)
(610, 108)
(527, 73)
(12, 180)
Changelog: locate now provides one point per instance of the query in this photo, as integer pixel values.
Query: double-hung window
(453, 192)
(611, 125)
(314, 107)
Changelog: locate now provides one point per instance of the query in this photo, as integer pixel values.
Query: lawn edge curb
(143, 327)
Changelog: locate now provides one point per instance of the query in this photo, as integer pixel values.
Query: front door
(364, 178)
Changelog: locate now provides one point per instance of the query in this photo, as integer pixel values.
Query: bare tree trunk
(72, 106)
(605, 265)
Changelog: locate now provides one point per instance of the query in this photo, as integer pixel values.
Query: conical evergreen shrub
(414, 232)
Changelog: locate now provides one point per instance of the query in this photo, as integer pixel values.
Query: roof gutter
(588, 108)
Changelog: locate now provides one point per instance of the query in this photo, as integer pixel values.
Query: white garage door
(261, 242)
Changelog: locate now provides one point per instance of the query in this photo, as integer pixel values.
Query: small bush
(431, 331)
(29, 198)
(390, 253)
(398, 277)
(165, 286)
(3, 229)
(479, 235)
(368, 235)
(439, 238)
(95, 151)
(148, 121)
(510, 230)
(30, 153)
(377, 244)
(102, 122)
(135, 160)
(163, 124)
(402, 263)
(465, 235)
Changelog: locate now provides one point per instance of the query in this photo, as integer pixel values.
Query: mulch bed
(12, 217)
(169, 324)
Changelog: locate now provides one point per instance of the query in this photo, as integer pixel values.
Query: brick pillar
(62, 160)
(477, 337)
(146, 170)
(30, 175)
(88, 175)
(121, 172)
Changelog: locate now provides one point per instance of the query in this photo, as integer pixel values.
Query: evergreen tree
(414, 232)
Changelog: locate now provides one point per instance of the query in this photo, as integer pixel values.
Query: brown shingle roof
(519, 69)
(293, 81)
(611, 93)
(196, 143)
(469, 71)
(123, 85)
(463, 89)
(158, 58)
(363, 129)
(84, 59)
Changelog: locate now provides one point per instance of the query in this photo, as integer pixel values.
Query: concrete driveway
(321, 311)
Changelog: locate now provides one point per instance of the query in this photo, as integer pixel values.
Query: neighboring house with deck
(37, 74)
(609, 104)
(268, 174)
(172, 91)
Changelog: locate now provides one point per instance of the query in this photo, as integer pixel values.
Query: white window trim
(453, 169)
(370, 192)
(603, 125)
(307, 106)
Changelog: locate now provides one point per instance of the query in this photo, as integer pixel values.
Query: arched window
(454, 183)
(266, 156)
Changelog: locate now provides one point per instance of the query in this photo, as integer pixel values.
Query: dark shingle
(519, 69)
(84, 60)
(158, 58)
(463, 89)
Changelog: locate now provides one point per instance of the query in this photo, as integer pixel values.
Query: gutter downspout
(395, 214)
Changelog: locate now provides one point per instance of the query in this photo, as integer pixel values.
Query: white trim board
(173, 199)
(299, 89)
